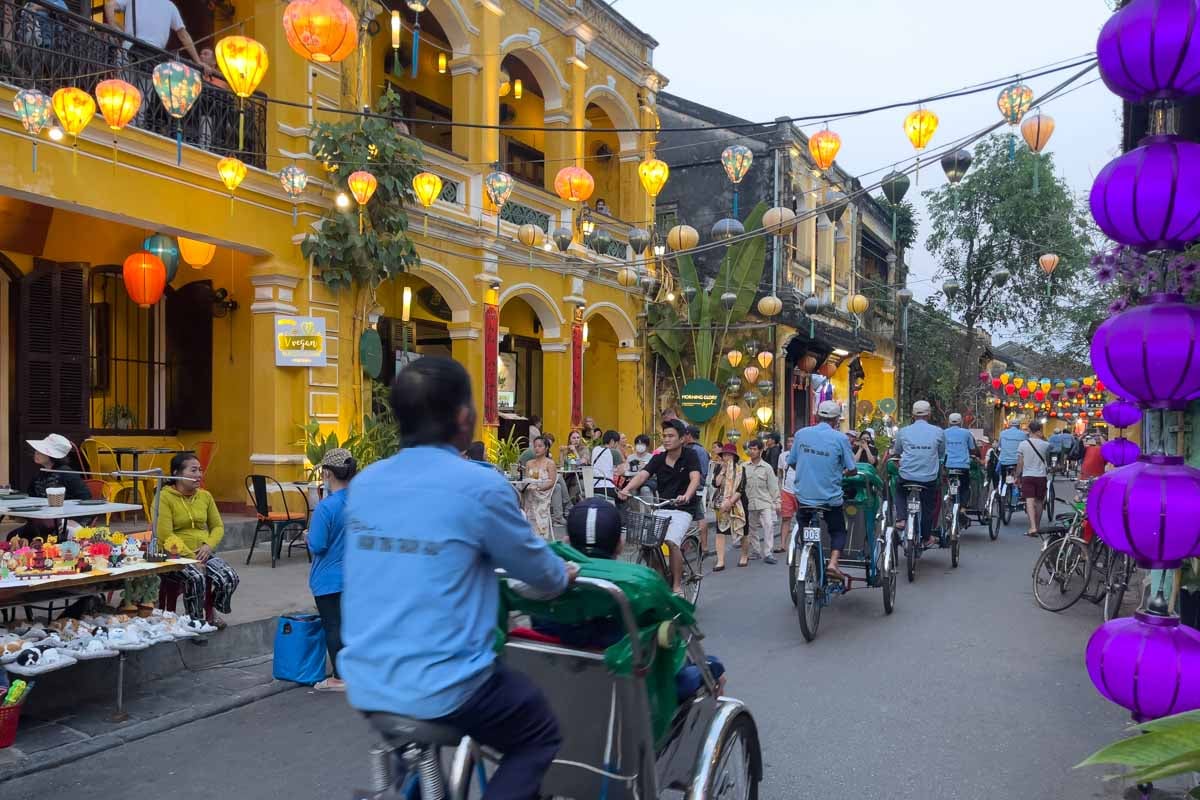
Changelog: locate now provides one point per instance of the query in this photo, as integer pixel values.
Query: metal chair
(277, 522)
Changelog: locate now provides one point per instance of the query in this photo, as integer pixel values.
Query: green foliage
(142, 590)
(506, 452)
(906, 221)
(119, 417)
(377, 438)
(384, 248)
(691, 347)
(929, 375)
(1166, 747)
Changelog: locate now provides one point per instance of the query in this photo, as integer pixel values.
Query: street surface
(967, 691)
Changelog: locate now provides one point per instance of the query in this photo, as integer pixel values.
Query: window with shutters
(150, 369)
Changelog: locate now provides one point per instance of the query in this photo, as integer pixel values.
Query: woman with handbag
(729, 484)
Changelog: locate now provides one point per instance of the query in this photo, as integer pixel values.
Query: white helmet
(921, 408)
(830, 409)
(956, 419)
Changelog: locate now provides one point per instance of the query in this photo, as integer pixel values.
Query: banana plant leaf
(690, 278)
(742, 267)
(1168, 746)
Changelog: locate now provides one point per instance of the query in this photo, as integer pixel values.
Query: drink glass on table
(55, 496)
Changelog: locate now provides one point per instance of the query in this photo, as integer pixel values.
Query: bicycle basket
(644, 530)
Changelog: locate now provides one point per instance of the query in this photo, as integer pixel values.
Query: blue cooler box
(300, 649)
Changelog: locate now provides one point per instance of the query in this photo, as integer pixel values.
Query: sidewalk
(69, 713)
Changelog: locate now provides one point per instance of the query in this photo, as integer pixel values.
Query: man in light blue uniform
(1010, 440)
(920, 448)
(961, 448)
(1060, 444)
(425, 532)
(822, 457)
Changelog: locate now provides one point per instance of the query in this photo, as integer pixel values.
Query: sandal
(777, 550)
(719, 568)
(744, 563)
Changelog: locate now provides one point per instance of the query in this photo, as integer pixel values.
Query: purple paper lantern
(1149, 664)
(1151, 49)
(1148, 353)
(1150, 510)
(1120, 451)
(1149, 198)
(1122, 414)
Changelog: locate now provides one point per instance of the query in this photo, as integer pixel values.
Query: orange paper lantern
(574, 184)
(751, 373)
(324, 31)
(824, 146)
(827, 370)
(808, 363)
(734, 412)
(1048, 262)
(197, 254)
(119, 102)
(1037, 130)
(145, 278)
(362, 185)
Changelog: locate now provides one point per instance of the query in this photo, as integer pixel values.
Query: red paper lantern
(984, 377)
(145, 278)
(1099, 386)
(1009, 388)
(1024, 393)
(1039, 395)
(996, 384)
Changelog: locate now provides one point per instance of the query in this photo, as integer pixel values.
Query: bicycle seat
(814, 508)
(915, 487)
(406, 730)
(959, 472)
(1054, 530)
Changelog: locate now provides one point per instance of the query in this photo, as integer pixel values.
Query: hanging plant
(383, 248)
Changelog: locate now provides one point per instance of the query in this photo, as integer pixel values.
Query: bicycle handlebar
(657, 505)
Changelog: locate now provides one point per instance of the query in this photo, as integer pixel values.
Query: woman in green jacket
(190, 525)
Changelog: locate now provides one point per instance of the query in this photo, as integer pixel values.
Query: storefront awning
(820, 339)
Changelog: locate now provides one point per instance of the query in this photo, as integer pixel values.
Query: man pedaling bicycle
(677, 471)
(961, 450)
(1010, 441)
(822, 457)
(920, 447)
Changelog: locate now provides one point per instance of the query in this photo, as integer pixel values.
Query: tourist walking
(541, 475)
(728, 485)
(762, 502)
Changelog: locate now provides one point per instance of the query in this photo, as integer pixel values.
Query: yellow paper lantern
(734, 412)
(823, 146)
(529, 235)
(682, 237)
(1005, 378)
(1018, 382)
(1037, 130)
(751, 373)
(1088, 381)
(243, 61)
(770, 306)
(119, 102)
(197, 254)
(750, 425)
(653, 174)
(764, 414)
(859, 304)
(427, 187)
(362, 185)
(765, 358)
(232, 172)
(74, 109)
(734, 357)
(627, 277)
(1045, 386)
(919, 127)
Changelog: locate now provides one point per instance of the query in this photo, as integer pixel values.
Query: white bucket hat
(55, 445)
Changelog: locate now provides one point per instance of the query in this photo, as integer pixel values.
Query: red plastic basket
(9, 716)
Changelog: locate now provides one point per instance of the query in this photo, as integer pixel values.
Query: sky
(761, 59)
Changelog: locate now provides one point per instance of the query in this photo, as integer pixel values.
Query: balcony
(44, 47)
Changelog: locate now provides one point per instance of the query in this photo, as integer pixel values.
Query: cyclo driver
(920, 447)
(426, 530)
(822, 457)
(1010, 441)
(677, 470)
(961, 449)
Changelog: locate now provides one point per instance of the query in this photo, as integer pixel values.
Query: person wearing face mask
(326, 543)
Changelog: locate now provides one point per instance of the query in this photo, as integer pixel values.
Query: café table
(136, 453)
(40, 508)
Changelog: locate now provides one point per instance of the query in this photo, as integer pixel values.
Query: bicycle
(912, 532)
(645, 535)
(951, 510)
(1007, 500)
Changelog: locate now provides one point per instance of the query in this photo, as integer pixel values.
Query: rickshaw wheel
(735, 777)
(808, 603)
(889, 580)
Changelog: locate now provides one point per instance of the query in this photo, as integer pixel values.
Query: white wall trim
(276, 458)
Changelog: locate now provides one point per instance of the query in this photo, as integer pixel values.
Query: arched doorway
(522, 100)
(602, 159)
(426, 330)
(600, 396)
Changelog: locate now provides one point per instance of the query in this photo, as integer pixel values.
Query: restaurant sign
(699, 400)
(299, 341)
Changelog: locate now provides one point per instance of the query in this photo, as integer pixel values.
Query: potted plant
(506, 453)
(120, 418)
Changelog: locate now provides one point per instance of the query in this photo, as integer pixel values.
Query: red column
(491, 355)
(577, 373)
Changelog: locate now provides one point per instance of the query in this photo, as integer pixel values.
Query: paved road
(967, 691)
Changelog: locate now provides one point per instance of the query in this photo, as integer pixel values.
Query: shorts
(678, 526)
(1033, 488)
(696, 509)
(789, 505)
(835, 526)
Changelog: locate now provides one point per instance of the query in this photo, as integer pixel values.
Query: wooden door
(52, 357)
(189, 356)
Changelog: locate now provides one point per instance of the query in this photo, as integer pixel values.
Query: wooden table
(13, 589)
(70, 509)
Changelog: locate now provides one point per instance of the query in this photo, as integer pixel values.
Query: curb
(71, 753)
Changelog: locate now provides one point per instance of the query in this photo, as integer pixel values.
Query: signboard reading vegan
(299, 341)
(700, 400)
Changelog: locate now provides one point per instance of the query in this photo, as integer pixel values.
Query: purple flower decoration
(1118, 305)
(1105, 273)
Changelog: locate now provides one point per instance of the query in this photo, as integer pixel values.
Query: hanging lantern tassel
(35, 154)
(735, 201)
(179, 142)
(1036, 164)
(360, 220)
(416, 42)
(295, 214)
(241, 123)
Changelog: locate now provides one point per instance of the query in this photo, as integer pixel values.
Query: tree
(930, 330)
(994, 220)
(906, 221)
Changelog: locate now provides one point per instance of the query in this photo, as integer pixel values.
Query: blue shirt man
(921, 447)
(1061, 442)
(821, 455)
(1010, 439)
(960, 444)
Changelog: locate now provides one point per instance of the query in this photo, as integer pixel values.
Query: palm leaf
(746, 260)
(689, 277)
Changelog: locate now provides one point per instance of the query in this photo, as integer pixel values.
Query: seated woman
(594, 529)
(56, 452)
(189, 514)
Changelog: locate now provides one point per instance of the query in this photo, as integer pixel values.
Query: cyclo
(871, 546)
(910, 513)
(953, 511)
(626, 732)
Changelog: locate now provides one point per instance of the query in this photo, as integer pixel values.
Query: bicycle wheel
(954, 537)
(1120, 569)
(993, 515)
(1061, 573)
(1006, 506)
(652, 557)
(910, 547)
(794, 568)
(889, 574)
(693, 568)
(808, 599)
(1050, 500)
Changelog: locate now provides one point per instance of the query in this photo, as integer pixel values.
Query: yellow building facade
(198, 370)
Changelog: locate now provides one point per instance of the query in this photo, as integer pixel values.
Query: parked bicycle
(645, 534)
